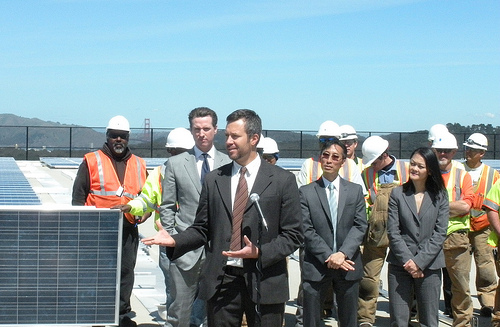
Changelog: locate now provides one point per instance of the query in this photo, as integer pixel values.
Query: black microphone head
(254, 197)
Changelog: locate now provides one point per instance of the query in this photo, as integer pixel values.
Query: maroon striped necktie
(240, 202)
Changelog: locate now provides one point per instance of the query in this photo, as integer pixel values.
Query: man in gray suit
(334, 222)
(181, 192)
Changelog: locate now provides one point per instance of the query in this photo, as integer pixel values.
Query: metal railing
(33, 142)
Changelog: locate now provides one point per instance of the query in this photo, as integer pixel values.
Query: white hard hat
(435, 130)
(445, 141)
(329, 128)
(372, 148)
(347, 132)
(477, 141)
(119, 123)
(180, 138)
(270, 146)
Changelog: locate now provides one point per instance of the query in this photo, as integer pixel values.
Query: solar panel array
(14, 187)
(59, 267)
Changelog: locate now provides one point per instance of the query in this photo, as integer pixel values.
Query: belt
(234, 271)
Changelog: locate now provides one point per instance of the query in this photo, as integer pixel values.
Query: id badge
(119, 191)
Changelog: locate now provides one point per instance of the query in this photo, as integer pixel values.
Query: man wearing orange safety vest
(483, 177)
(383, 172)
(108, 177)
(311, 168)
(457, 245)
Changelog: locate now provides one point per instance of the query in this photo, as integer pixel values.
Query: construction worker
(491, 205)
(483, 178)
(457, 245)
(108, 177)
(179, 140)
(349, 137)
(383, 173)
(270, 151)
(311, 168)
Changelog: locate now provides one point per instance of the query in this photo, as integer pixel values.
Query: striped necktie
(240, 202)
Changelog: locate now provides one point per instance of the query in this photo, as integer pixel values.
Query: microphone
(254, 197)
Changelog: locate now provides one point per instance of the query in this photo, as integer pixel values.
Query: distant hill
(44, 133)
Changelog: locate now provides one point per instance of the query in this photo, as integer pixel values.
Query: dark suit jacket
(318, 229)
(279, 200)
(418, 236)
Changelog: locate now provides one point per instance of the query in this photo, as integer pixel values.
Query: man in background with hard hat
(109, 177)
(483, 178)
(311, 168)
(182, 183)
(179, 140)
(383, 173)
(349, 138)
(270, 151)
(457, 245)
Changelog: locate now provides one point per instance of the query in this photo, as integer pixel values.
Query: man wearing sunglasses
(109, 177)
(457, 245)
(483, 177)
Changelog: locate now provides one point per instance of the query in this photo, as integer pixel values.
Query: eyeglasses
(333, 157)
(443, 150)
(115, 135)
(348, 142)
(326, 139)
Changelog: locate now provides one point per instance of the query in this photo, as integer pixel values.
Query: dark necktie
(205, 168)
(240, 202)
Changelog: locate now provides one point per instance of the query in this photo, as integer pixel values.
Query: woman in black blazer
(417, 224)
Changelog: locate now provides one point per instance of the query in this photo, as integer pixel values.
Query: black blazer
(279, 200)
(318, 229)
(418, 236)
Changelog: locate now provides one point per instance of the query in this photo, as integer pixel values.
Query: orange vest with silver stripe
(479, 220)
(104, 182)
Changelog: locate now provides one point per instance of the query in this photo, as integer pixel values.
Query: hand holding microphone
(254, 197)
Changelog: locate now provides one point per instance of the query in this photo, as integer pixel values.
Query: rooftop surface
(53, 187)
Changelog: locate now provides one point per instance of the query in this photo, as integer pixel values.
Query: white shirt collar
(198, 152)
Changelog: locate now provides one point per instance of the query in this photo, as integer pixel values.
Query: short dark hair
(202, 112)
(434, 183)
(335, 141)
(253, 123)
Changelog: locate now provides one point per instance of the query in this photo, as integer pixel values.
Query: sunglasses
(326, 139)
(472, 142)
(443, 150)
(115, 135)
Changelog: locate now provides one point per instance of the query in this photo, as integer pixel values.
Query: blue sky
(388, 65)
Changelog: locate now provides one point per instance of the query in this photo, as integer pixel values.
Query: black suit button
(418, 234)
(228, 239)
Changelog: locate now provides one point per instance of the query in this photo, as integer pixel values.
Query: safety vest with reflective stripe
(454, 188)
(150, 198)
(370, 177)
(314, 172)
(478, 218)
(105, 185)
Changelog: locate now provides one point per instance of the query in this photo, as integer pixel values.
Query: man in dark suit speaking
(334, 221)
(227, 224)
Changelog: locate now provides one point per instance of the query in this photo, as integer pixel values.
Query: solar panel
(59, 267)
(15, 188)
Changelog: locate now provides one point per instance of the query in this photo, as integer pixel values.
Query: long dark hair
(434, 183)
